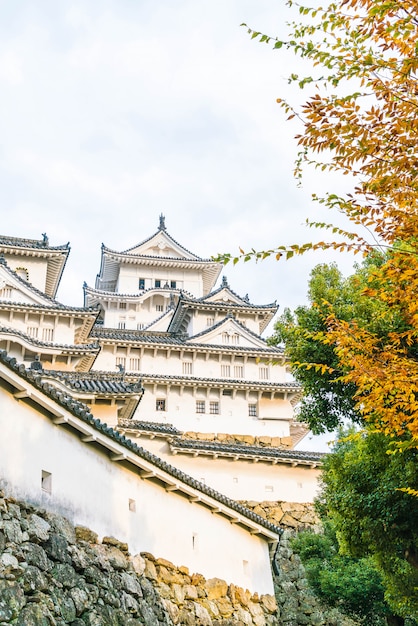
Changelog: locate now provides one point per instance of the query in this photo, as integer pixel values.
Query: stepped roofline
(56, 256)
(78, 348)
(167, 339)
(242, 301)
(243, 451)
(64, 410)
(222, 322)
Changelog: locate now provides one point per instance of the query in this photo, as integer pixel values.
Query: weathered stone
(225, 607)
(243, 617)
(34, 579)
(57, 548)
(65, 574)
(172, 610)
(150, 570)
(81, 599)
(12, 531)
(12, 600)
(215, 588)
(36, 555)
(35, 615)
(169, 576)
(190, 592)
(37, 528)
(62, 526)
(202, 615)
(269, 603)
(112, 541)
(130, 584)
(138, 564)
(178, 593)
(85, 534)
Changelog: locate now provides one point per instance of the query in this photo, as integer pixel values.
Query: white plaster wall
(243, 479)
(233, 417)
(188, 280)
(93, 491)
(36, 268)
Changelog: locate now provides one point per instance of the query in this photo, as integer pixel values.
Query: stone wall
(292, 515)
(250, 440)
(52, 574)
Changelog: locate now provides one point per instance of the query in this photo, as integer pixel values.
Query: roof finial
(162, 222)
(45, 240)
(224, 282)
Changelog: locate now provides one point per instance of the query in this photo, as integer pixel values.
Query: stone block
(85, 534)
(276, 442)
(112, 541)
(264, 440)
(225, 607)
(269, 604)
(138, 564)
(215, 588)
(165, 563)
(202, 615)
(286, 441)
(37, 528)
(190, 592)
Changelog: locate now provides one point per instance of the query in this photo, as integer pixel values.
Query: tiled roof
(139, 294)
(244, 328)
(245, 303)
(226, 382)
(98, 382)
(148, 427)
(81, 411)
(42, 244)
(79, 347)
(160, 229)
(246, 451)
(168, 339)
(173, 259)
(54, 303)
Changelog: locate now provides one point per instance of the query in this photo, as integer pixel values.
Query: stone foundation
(249, 440)
(285, 514)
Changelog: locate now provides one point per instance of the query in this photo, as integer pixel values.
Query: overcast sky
(114, 111)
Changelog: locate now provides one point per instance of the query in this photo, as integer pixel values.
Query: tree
(353, 585)
(363, 498)
(327, 400)
(361, 120)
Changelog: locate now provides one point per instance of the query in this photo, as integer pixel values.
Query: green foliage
(363, 499)
(327, 401)
(353, 585)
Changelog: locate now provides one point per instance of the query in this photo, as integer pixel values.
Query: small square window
(173, 284)
(200, 406)
(157, 283)
(227, 392)
(122, 305)
(160, 404)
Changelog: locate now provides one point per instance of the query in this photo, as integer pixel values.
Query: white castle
(160, 370)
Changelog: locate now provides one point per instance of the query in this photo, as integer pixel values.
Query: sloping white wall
(91, 490)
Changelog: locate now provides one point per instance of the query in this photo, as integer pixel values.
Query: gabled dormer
(229, 333)
(15, 287)
(36, 261)
(158, 262)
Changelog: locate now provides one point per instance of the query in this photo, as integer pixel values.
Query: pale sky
(114, 111)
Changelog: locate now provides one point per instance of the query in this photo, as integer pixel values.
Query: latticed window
(134, 364)
(121, 325)
(235, 339)
(252, 410)
(141, 283)
(121, 360)
(32, 331)
(160, 404)
(226, 371)
(47, 334)
(159, 307)
(238, 371)
(210, 321)
(264, 373)
(200, 406)
(187, 368)
(122, 305)
(214, 408)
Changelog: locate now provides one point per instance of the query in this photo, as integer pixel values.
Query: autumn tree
(361, 120)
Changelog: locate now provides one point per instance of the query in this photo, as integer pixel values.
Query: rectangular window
(121, 360)
(47, 334)
(173, 284)
(6, 293)
(200, 406)
(121, 325)
(32, 331)
(140, 326)
(225, 338)
(226, 371)
(264, 373)
(238, 371)
(160, 404)
(252, 410)
(46, 481)
(134, 364)
(159, 307)
(227, 392)
(132, 505)
(122, 305)
(187, 368)
(235, 339)
(157, 282)
(214, 408)
(210, 321)
(141, 283)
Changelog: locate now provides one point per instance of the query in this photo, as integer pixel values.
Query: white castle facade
(163, 375)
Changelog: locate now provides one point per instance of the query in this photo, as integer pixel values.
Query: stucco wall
(91, 490)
